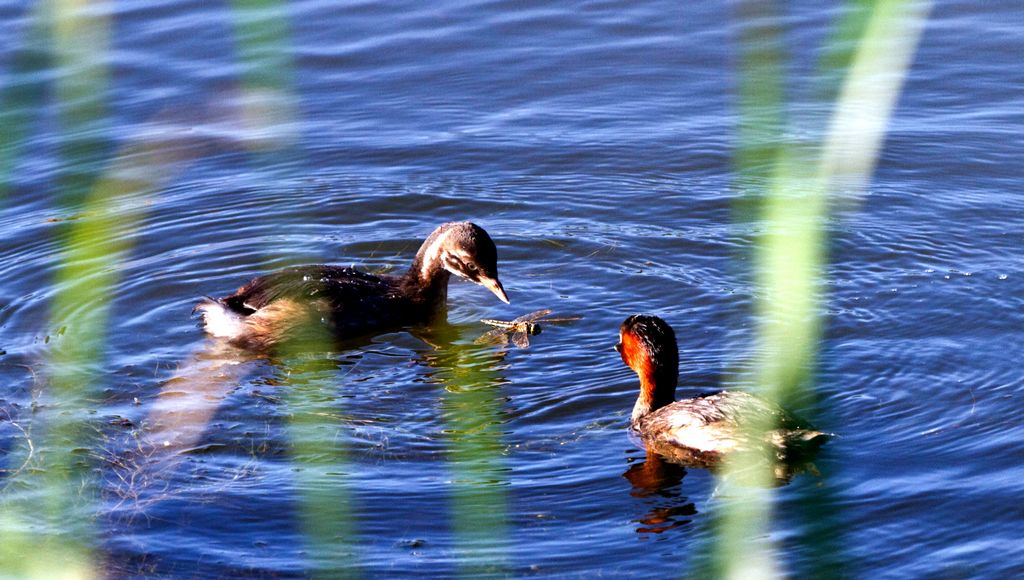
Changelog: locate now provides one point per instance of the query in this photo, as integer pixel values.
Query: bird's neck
(657, 389)
(427, 280)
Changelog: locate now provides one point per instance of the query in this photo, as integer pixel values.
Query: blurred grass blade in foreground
(790, 256)
(472, 409)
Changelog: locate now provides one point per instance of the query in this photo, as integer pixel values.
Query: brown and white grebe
(700, 430)
(348, 303)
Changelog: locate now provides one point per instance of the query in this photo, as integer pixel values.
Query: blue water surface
(596, 141)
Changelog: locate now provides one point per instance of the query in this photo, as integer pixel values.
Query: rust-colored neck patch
(654, 358)
(637, 357)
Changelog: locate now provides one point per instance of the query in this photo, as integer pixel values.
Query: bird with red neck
(700, 430)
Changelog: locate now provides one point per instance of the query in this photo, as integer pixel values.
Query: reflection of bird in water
(655, 477)
(663, 519)
(345, 302)
(700, 430)
(520, 329)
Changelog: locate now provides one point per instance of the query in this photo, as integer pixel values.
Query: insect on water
(520, 329)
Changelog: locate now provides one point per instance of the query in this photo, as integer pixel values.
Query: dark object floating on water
(346, 303)
(521, 329)
(699, 431)
(119, 421)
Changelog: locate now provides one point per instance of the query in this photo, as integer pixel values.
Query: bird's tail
(218, 320)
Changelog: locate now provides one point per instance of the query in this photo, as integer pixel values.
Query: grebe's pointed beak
(494, 286)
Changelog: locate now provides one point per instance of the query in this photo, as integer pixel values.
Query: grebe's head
(647, 345)
(464, 249)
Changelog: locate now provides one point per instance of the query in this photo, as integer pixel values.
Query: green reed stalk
(790, 256)
(48, 531)
(319, 453)
(49, 510)
(266, 99)
(472, 413)
(96, 245)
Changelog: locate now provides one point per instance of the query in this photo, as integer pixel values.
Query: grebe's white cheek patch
(453, 265)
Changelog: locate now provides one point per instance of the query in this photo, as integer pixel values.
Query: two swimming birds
(346, 303)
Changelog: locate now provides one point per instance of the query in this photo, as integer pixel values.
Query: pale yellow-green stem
(790, 258)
